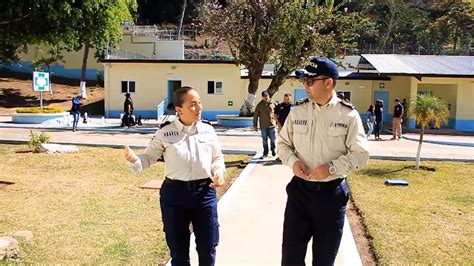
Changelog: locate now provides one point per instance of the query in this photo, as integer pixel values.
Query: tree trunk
(418, 153)
(277, 81)
(247, 108)
(455, 39)
(82, 86)
(391, 24)
(182, 18)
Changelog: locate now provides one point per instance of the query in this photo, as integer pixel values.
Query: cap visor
(301, 73)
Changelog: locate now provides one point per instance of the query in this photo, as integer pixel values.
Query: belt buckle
(191, 185)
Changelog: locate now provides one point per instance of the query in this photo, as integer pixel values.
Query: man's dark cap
(319, 66)
(397, 99)
(265, 94)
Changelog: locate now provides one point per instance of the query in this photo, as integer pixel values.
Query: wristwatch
(332, 168)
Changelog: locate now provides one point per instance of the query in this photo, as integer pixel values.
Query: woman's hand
(217, 181)
(130, 155)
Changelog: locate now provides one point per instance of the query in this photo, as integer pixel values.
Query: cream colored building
(223, 85)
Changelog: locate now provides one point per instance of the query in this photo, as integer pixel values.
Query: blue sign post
(41, 83)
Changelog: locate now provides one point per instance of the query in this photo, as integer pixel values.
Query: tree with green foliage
(284, 33)
(426, 110)
(31, 22)
(452, 25)
(97, 24)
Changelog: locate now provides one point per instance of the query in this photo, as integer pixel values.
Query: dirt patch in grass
(361, 237)
(19, 93)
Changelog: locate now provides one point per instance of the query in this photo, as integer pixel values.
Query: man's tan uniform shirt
(190, 152)
(317, 135)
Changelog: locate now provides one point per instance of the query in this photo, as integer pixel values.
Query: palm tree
(427, 109)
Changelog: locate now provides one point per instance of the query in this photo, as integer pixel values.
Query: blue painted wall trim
(57, 70)
(211, 115)
(464, 125)
(451, 123)
(151, 114)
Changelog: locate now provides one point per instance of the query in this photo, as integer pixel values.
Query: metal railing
(160, 108)
(414, 49)
(124, 54)
(160, 34)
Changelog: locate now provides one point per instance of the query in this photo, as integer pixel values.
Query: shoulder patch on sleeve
(347, 104)
(164, 124)
(302, 101)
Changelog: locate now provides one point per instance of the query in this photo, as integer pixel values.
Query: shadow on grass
(380, 171)
(24, 151)
(377, 172)
(11, 98)
(234, 163)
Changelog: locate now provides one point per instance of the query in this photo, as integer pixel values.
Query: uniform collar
(333, 102)
(183, 128)
(330, 105)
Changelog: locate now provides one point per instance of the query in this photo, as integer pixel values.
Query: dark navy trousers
(182, 204)
(313, 210)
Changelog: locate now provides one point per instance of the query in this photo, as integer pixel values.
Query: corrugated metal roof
(346, 66)
(421, 64)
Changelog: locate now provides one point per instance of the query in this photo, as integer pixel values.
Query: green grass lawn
(84, 208)
(428, 222)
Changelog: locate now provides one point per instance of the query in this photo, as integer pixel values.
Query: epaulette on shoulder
(347, 104)
(206, 122)
(164, 124)
(302, 101)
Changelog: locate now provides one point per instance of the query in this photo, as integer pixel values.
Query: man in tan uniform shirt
(322, 140)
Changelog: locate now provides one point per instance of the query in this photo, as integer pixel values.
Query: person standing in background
(282, 110)
(127, 119)
(397, 120)
(378, 111)
(370, 120)
(75, 111)
(264, 115)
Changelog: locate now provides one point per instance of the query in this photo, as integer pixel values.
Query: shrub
(36, 140)
(36, 110)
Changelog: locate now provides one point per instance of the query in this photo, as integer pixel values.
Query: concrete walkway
(251, 212)
(251, 219)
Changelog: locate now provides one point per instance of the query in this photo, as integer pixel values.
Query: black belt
(320, 186)
(191, 185)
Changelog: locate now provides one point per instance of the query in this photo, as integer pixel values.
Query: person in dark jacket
(127, 119)
(282, 110)
(378, 111)
(75, 111)
(397, 119)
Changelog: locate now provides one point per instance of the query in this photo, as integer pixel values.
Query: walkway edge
(223, 202)
(451, 143)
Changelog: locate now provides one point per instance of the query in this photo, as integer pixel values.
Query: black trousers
(313, 210)
(185, 203)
